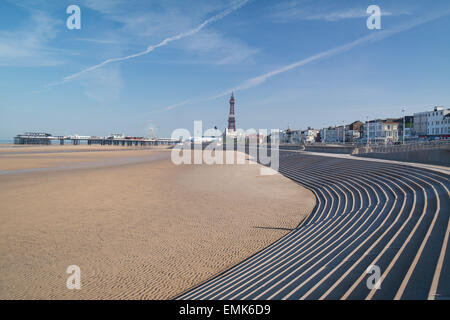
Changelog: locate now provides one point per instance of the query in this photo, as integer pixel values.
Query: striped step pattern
(367, 213)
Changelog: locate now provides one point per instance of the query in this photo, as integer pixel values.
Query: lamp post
(404, 123)
(343, 134)
(368, 131)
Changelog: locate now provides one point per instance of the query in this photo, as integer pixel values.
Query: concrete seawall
(331, 149)
(433, 156)
(437, 156)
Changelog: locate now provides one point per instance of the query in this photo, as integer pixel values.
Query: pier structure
(33, 138)
(114, 140)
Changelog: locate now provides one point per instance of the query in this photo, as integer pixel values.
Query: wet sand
(26, 157)
(142, 229)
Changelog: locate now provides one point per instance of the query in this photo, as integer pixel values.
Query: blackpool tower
(231, 117)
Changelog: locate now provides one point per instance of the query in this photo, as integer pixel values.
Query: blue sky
(303, 63)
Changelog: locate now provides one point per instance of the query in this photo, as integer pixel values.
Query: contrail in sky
(374, 37)
(150, 48)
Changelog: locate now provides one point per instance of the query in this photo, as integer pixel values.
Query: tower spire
(231, 117)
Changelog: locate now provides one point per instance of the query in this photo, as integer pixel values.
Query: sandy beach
(138, 226)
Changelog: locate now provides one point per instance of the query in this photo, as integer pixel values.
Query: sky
(146, 68)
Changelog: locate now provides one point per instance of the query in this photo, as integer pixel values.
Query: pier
(112, 140)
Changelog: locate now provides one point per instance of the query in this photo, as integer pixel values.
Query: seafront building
(309, 136)
(382, 131)
(290, 136)
(432, 123)
(421, 123)
(353, 132)
(438, 121)
(342, 134)
(408, 121)
(447, 122)
(329, 135)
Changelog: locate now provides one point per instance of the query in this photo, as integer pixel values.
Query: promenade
(368, 213)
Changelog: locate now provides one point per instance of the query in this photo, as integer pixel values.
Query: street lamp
(343, 135)
(404, 122)
(368, 130)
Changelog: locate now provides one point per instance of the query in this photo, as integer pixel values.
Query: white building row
(382, 131)
(298, 136)
(432, 123)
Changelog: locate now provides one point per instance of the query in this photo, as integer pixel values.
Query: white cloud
(179, 36)
(373, 37)
(28, 46)
(295, 10)
(218, 49)
(341, 15)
